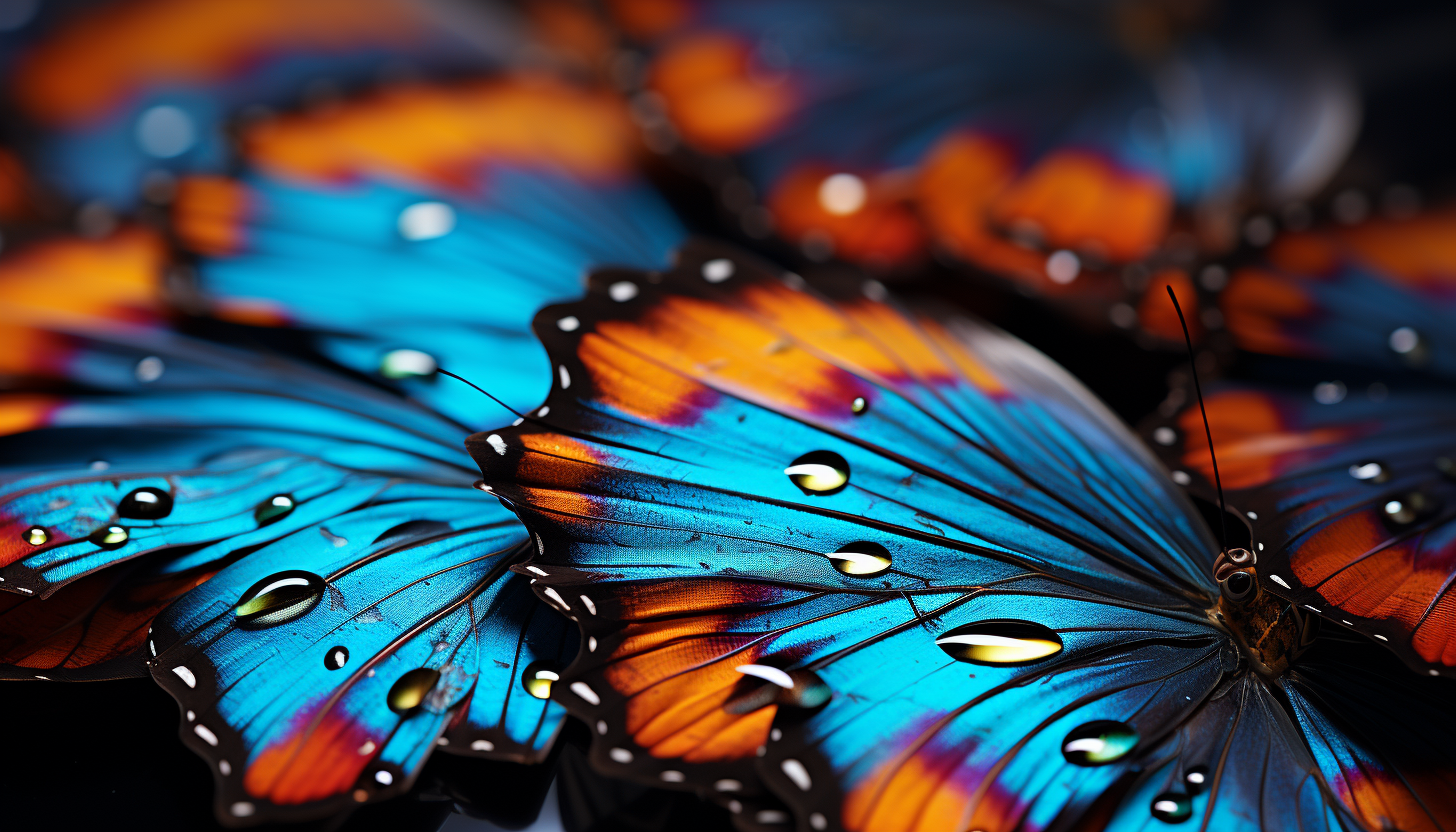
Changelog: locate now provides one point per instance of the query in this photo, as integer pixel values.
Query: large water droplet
(410, 690)
(336, 658)
(819, 472)
(145, 504)
(36, 536)
(1001, 642)
(861, 559)
(538, 679)
(278, 599)
(1170, 807)
(273, 509)
(110, 537)
(398, 364)
(1099, 743)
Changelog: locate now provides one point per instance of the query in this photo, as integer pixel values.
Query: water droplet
(426, 221)
(1369, 472)
(36, 536)
(336, 658)
(1170, 807)
(717, 271)
(278, 599)
(149, 369)
(819, 472)
(165, 131)
(1002, 642)
(1406, 341)
(1099, 743)
(273, 509)
(145, 504)
(1195, 778)
(1165, 435)
(409, 691)
(397, 364)
(538, 678)
(1063, 267)
(1408, 509)
(860, 406)
(1329, 392)
(762, 685)
(860, 559)
(622, 291)
(842, 194)
(110, 537)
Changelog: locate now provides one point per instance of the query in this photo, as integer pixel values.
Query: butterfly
(1375, 293)
(290, 543)
(1024, 141)
(123, 96)
(904, 572)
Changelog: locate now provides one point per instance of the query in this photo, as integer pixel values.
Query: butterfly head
(1270, 632)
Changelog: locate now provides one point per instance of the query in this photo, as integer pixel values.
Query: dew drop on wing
(336, 658)
(1099, 743)
(36, 536)
(110, 537)
(819, 473)
(278, 599)
(145, 504)
(410, 690)
(1171, 807)
(1000, 642)
(539, 677)
(861, 559)
(273, 509)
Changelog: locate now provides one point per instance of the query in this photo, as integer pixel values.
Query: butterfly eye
(409, 691)
(1242, 557)
(110, 537)
(1099, 743)
(1170, 807)
(538, 679)
(273, 509)
(819, 472)
(861, 559)
(145, 504)
(1237, 586)
(1000, 643)
(278, 599)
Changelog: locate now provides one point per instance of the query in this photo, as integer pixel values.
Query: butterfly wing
(730, 488)
(1375, 294)
(449, 242)
(1348, 503)
(322, 670)
(126, 95)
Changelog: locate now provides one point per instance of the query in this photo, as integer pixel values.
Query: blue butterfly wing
(337, 694)
(1348, 505)
(720, 441)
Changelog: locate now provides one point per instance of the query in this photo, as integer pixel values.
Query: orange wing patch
(717, 96)
(1254, 445)
(864, 219)
(310, 766)
(441, 135)
(209, 214)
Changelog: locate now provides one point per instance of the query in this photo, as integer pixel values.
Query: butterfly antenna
(1207, 432)
(442, 371)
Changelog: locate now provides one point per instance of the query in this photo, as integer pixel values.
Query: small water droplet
(426, 221)
(819, 472)
(1165, 435)
(278, 599)
(273, 509)
(336, 658)
(1001, 642)
(861, 559)
(409, 691)
(860, 406)
(110, 537)
(1407, 342)
(538, 679)
(1369, 472)
(1170, 807)
(1329, 392)
(1409, 508)
(1063, 267)
(1099, 743)
(36, 536)
(717, 271)
(149, 369)
(145, 504)
(398, 364)
(1196, 778)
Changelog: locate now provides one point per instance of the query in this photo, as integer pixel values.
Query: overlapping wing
(1350, 505)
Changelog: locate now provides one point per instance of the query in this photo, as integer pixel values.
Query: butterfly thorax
(1270, 632)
